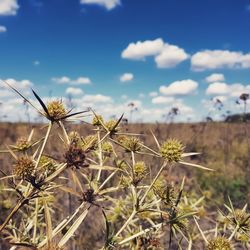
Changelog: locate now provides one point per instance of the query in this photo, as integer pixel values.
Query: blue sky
(106, 54)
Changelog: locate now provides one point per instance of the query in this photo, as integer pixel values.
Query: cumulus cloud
(170, 56)
(66, 80)
(96, 98)
(126, 77)
(108, 4)
(166, 55)
(140, 50)
(8, 7)
(73, 91)
(216, 59)
(162, 100)
(36, 63)
(2, 29)
(184, 87)
(153, 94)
(215, 78)
(231, 90)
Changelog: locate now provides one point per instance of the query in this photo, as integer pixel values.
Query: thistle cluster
(56, 109)
(219, 243)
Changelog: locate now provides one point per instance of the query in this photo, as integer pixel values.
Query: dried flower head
(131, 144)
(22, 144)
(97, 120)
(75, 156)
(89, 195)
(219, 243)
(24, 167)
(171, 150)
(166, 193)
(56, 110)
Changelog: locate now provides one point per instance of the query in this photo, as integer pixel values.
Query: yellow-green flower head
(24, 167)
(110, 125)
(171, 150)
(240, 218)
(97, 120)
(107, 147)
(22, 144)
(132, 144)
(140, 168)
(219, 243)
(56, 109)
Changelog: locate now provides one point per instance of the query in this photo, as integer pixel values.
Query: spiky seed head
(89, 142)
(219, 243)
(22, 144)
(140, 168)
(241, 218)
(110, 125)
(24, 167)
(131, 144)
(89, 195)
(107, 148)
(56, 109)
(171, 150)
(97, 120)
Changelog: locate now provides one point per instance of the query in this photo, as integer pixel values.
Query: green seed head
(131, 144)
(219, 243)
(24, 167)
(110, 125)
(171, 150)
(107, 148)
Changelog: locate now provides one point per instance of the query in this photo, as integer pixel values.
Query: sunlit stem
(234, 232)
(153, 182)
(64, 132)
(99, 155)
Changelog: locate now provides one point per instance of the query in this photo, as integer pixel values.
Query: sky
(107, 54)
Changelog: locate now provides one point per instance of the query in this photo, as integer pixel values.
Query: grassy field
(224, 147)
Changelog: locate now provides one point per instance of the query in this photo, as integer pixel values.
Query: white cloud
(153, 94)
(126, 77)
(140, 50)
(231, 90)
(96, 98)
(2, 29)
(216, 59)
(73, 91)
(162, 100)
(108, 4)
(166, 55)
(170, 56)
(215, 78)
(8, 7)
(66, 80)
(183, 87)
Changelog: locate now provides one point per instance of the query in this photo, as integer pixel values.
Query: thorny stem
(233, 233)
(126, 223)
(64, 132)
(153, 182)
(99, 155)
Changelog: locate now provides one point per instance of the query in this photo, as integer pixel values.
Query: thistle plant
(107, 177)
